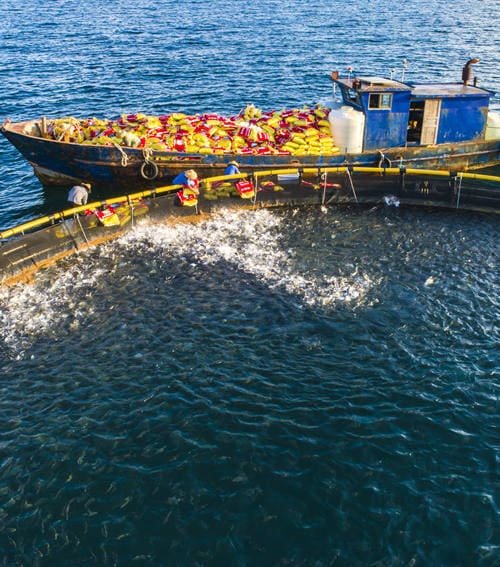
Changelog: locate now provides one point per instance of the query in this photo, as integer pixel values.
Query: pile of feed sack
(298, 131)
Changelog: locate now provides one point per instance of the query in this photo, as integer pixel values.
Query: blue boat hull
(61, 163)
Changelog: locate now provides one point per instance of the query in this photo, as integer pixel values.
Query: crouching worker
(79, 194)
(233, 168)
(188, 196)
(243, 186)
(189, 179)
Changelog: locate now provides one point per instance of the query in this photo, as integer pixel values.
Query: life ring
(149, 170)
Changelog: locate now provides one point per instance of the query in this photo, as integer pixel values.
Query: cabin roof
(373, 84)
(427, 90)
(448, 90)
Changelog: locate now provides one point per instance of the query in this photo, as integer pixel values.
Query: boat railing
(129, 199)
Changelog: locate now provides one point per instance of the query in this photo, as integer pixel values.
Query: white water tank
(347, 126)
(493, 126)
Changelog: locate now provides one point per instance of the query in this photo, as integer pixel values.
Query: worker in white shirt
(79, 194)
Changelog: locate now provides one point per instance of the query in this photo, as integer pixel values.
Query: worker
(79, 194)
(232, 168)
(189, 179)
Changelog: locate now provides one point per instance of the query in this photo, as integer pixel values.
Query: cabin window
(380, 100)
(351, 96)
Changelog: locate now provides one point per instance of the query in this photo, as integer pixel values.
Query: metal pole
(459, 189)
(131, 206)
(81, 228)
(324, 188)
(352, 185)
(75, 243)
(255, 188)
(402, 171)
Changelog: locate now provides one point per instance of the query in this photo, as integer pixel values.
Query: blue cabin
(405, 114)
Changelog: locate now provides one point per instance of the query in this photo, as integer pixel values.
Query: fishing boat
(370, 121)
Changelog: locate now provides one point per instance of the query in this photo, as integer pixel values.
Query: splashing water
(252, 242)
(57, 300)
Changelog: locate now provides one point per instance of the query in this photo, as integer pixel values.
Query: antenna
(406, 64)
(334, 76)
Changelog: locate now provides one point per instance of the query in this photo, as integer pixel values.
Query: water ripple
(271, 388)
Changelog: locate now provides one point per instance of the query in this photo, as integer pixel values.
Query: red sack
(179, 144)
(245, 188)
(244, 131)
(211, 117)
(263, 137)
(245, 150)
(187, 198)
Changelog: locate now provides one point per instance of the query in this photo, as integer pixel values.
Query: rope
(124, 155)
(383, 160)
(67, 127)
(64, 130)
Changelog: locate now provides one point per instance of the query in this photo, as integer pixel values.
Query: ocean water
(294, 387)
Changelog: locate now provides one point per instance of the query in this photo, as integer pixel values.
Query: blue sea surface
(300, 387)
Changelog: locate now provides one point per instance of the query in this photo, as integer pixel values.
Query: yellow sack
(274, 121)
(153, 122)
(239, 140)
(225, 143)
(201, 139)
(311, 133)
(253, 136)
(320, 113)
(184, 125)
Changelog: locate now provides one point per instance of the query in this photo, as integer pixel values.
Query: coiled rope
(124, 155)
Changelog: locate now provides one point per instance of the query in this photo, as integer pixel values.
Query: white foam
(250, 241)
(30, 310)
(391, 201)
